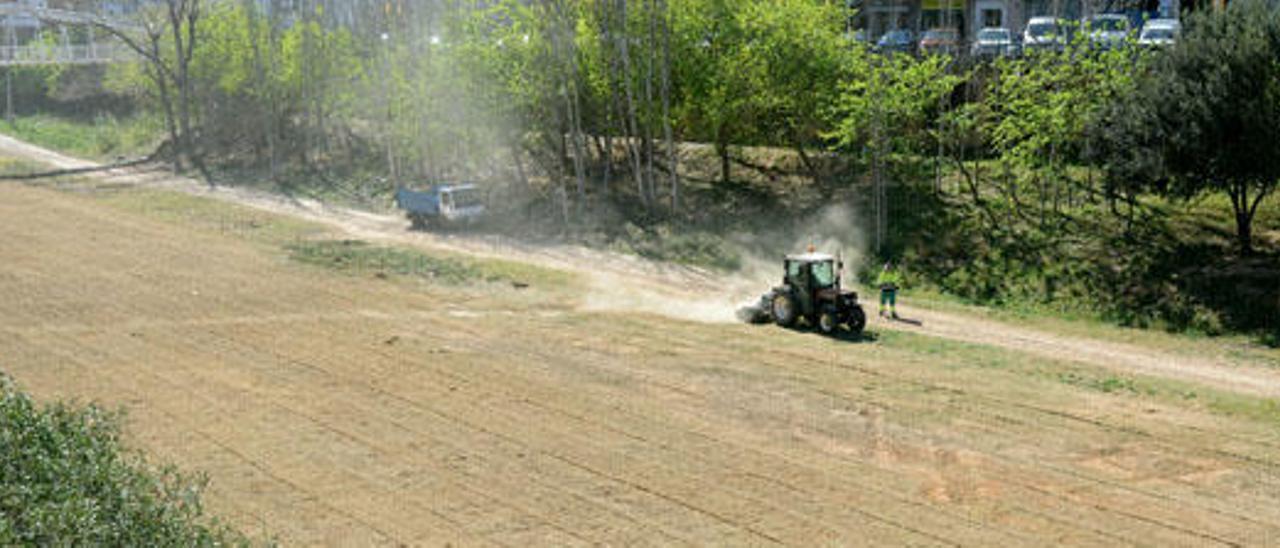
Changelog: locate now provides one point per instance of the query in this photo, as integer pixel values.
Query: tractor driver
(888, 282)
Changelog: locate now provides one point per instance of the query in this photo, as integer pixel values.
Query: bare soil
(354, 410)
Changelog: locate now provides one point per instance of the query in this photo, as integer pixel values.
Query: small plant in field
(1107, 385)
(66, 480)
(360, 258)
(1116, 384)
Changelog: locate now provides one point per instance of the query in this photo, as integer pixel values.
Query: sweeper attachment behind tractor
(811, 292)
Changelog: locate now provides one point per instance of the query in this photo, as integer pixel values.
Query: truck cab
(461, 202)
(443, 205)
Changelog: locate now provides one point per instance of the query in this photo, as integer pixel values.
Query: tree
(884, 109)
(166, 37)
(803, 53)
(1211, 111)
(715, 71)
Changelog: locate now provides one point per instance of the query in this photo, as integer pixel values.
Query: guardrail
(65, 54)
(60, 16)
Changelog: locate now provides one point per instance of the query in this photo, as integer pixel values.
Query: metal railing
(43, 54)
(60, 16)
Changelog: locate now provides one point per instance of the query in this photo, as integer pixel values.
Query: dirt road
(364, 409)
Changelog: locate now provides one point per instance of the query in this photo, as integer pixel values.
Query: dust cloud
(834, 229)
(704, 296)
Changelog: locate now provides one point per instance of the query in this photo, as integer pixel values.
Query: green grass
(105, 138)
(362, 258)
(1242, 349)
(67, 480)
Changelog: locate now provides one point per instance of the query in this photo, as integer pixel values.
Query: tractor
(810, 291)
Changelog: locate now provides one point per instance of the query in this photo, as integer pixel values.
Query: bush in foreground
(66, 480)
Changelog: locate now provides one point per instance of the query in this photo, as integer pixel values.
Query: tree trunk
(634, 132)
(650, 61)
(806, 160)
(183, 16)
(517, 156)
(261, 85)
(1244, 233)
(170, 120)
(672, 153)
(575, 125)
(1244, 217)
(722, 148)
(606, 153)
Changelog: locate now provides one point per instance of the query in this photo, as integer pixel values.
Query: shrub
(66, 480)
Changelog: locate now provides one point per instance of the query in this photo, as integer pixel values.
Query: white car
(1159, 33)
(1043, 33)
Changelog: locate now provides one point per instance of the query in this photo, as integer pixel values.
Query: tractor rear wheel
(857, 320)
(784, 309)
(827, 322)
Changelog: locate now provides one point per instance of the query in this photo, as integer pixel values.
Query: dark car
(897, 41)
(940, 42)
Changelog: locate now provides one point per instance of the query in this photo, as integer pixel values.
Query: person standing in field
(888, 282)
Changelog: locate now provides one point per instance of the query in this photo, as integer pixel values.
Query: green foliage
(1207, 114)
(495, 84)
(887, 103)
(664, 243)
(66, 480)
(758, 71)
(106, 137)
(260, 89)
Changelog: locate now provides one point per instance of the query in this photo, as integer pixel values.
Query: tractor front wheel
(827, 322)
(857, 320)
(784, 309)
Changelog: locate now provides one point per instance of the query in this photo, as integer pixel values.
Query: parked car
(994, 42)
(1158, 33)
(897, 41)
(1044, 34)
(1108, 30)
(940, 42)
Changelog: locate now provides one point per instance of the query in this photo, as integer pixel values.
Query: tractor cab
(812, 271)
(812, 278)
